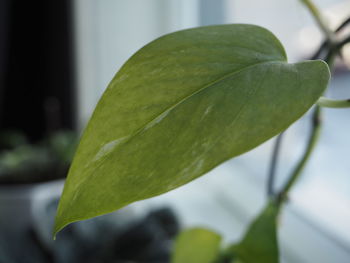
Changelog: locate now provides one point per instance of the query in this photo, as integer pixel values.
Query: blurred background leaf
(196, 245)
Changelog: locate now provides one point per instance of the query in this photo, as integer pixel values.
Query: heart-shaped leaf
(196, 245)
(260, 241)
(180, 106)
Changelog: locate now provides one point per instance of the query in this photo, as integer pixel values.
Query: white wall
(285, 18)
(108, 32)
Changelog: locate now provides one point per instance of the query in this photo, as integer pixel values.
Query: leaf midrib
(144, 126)
(138, 131)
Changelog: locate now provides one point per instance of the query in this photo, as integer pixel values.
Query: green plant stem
(333, 50)
(319, 19)
(325, 45)
(273, 166)
(315, 132)
(330, 57)
(342, 43)
(330, 103)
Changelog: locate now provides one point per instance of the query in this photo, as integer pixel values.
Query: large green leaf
(180, 106)
(260, 241)
(196, 245)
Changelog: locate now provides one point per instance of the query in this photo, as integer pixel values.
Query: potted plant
(31, 181)
(30, 174)
(196, 98)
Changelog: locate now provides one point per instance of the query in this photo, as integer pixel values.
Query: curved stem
(343, 25)
(342, 43)
(320, 50)
(319, 19)
(273, 166)
(315, 132)
(325, 45)
(333, 49)
(330, 103)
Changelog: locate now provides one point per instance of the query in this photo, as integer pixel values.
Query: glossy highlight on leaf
(196, 245)
(179, 107)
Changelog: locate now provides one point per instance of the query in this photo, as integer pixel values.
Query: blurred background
(57, 58)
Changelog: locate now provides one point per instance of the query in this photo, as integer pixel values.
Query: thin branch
(330, 103)
(273, 166)
(314, 135)
(332, 50)
(315, 132)
(319, 19)
(325, 44)
(345, 41)
(343, 25)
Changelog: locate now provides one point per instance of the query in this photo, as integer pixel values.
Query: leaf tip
(60, 222)
(58, 227)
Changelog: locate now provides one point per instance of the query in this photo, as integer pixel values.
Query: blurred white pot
(21, 208)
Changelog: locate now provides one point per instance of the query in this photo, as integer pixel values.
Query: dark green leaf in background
(179, 107)
(260, 241)
(196, 245)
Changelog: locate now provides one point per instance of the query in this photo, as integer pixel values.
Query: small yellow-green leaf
(196, 245)
(179, 107)
(260, 241)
